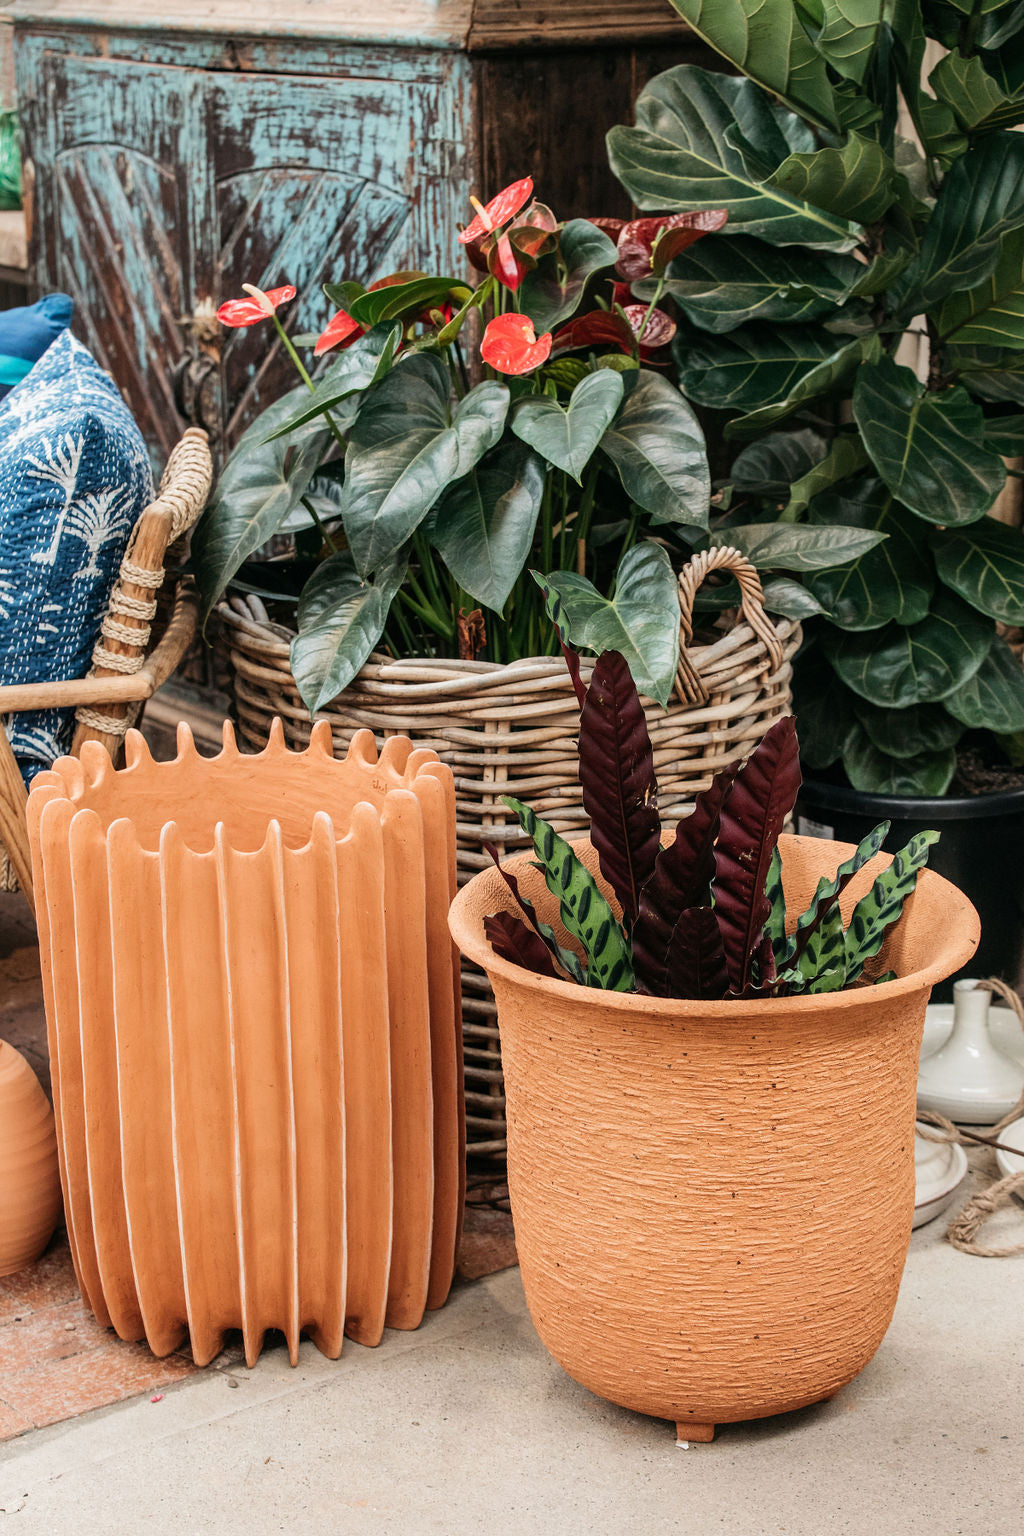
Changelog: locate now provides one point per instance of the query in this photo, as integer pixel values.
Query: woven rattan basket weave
(511, 730)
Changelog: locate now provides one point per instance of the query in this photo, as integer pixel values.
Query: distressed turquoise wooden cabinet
(180, 152)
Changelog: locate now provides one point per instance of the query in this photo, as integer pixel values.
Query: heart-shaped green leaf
(928, 448)
(567, 436)
(341, 617)
(893, 581)
(552, 291)
(797, 547)
(360, 367)
(657, 446)
(483, 524)
(641, 620)
(722, 283)
(993, 699)
(984, 563)
(403, 452)
(856, 181)
(914, 664)
(706, 140)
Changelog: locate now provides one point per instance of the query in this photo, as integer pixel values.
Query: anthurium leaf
(403, 452)
(341, 617)
(567, 436)
(755, 366)
(928, 447)
(261, 483)
(558, 617)
(343, 295)
(893, 580)
(993, 699)
(924, 728)
(696, 964)
(483, 524)
(827, 377)
(845, 456)
(984, 563)
(882, 906)
(724, 282)
(767, 42)
(566, 958)
(552, 291)
(992, 313)
(657, 446)
(402, 300)
(855, 181)
(510, 938)
(694, 148)
(875, 772)
(585, 912)
(641, 620)
(762, 796)
(980, 202)
(364, 364)
(914, 664)
(790, 598)
(796, 546)
(976, 100)
(620, 793)
(681, 880)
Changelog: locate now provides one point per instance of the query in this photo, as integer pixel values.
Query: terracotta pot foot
(699, 1432)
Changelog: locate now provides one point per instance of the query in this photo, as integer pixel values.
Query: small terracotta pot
(252, 1001)
(29, 1177)
(713, 1201)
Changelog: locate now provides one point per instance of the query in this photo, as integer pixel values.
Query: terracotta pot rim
(954, 948)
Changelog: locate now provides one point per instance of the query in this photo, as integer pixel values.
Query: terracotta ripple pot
(713, 1201)
(252, 1002)
(29, 1177)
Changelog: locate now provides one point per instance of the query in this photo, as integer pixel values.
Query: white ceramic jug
(969, 1078)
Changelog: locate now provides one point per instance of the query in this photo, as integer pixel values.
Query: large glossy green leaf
(766, 40)
(893, 581)
(404, 300)
(829, 377)
(914, 664)
(855, 181)
(341, 617)
(990, 373)
(992, 314)
(403, 451)
(722, 283)
(567, 436)
(641, 620)
(928, 448)
(789, 598)
(750, 368)
(924, 729)
(874, 772)
(981, 201)
(259, 486)
(845, 456)
(797, 547)
(984, 563)
(1005, 434)
(706, 140)
(551, 293)
(657, 446)
(849, 35)
(360, 367)
(773, 463)
(483, 525)
(977, 101)
(993, 699)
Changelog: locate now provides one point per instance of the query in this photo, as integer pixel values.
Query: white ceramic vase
(969, 1078)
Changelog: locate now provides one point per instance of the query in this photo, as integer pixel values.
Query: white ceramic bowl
(939, 1168)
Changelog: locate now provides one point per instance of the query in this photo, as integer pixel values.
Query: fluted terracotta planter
(29, 1178)
(713, 1201)
(252, 1001)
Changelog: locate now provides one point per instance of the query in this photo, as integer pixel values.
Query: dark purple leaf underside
(696, 961)
(509, 937)
(572, 661)
(681, 878)
(763, 794)
(620, 793)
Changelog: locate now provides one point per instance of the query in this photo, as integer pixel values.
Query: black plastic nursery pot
(981, 850)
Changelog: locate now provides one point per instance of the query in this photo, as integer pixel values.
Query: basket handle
(689, 686)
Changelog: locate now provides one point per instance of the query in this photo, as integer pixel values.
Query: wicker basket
(512, 730)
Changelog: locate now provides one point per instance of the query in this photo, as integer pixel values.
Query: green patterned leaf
(585, 912)
(657, 446)
(817, 944)
(568, 959)
(776, 924)
(828, 377)
(882, 906)
(706, 140)
(856, 181)
(567, 436)
(483, 525)
(894, 580)
(341, 617)
(917, 664)
(993, 699)
(984, 563)
(877, 773)
(723, 282)
(928, 448)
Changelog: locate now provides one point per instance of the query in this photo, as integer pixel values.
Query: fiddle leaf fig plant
(851, 252)
(704, 915)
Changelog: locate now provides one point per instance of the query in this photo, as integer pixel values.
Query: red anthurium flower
(642, 252)
(259, 306)
(658, 331)
(506, 264)
(499, 210)
(341, 331)
(511, 345)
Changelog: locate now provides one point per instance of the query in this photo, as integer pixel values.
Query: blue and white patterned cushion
(74, 477)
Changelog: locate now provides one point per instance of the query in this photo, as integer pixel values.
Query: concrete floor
(468, 1427)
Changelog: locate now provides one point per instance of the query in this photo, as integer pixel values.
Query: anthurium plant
(447, 435)
(703, 915)
(844, 239)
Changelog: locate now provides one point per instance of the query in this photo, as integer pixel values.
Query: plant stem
(304, 376)
(321, 526)
(652, 306)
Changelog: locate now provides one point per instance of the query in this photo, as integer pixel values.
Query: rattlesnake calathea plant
(703, 914)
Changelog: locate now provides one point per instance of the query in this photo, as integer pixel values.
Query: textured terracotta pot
(252, 1001)
(29, 1177)
(713, 1201)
